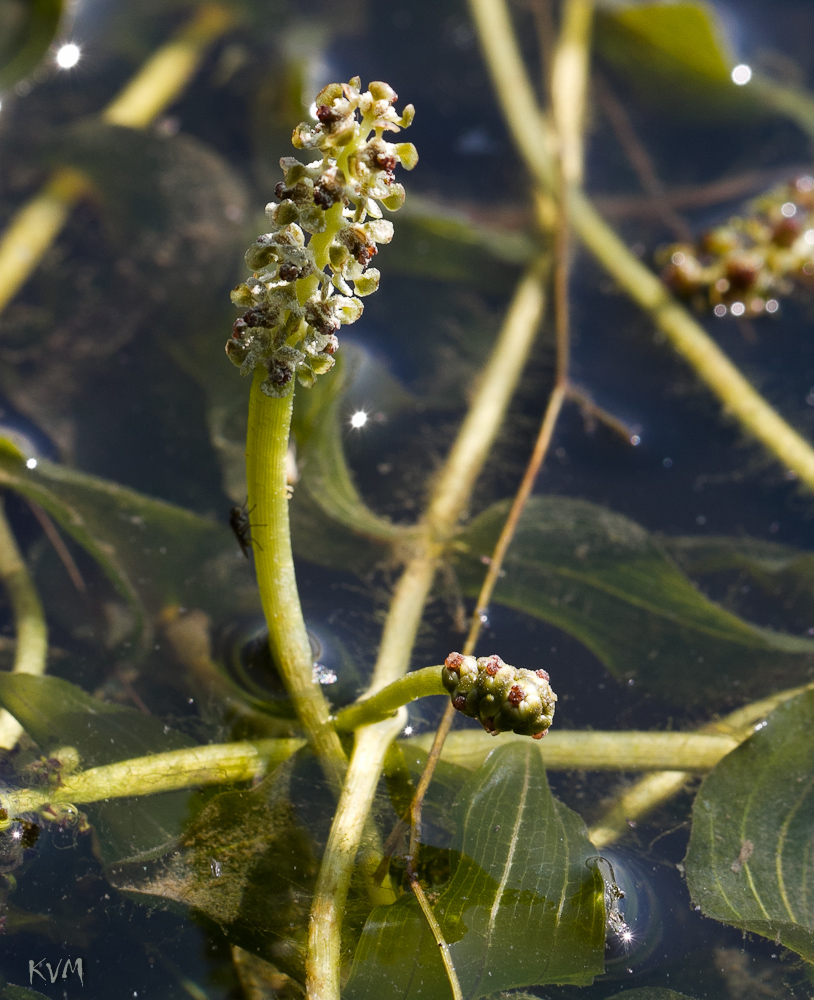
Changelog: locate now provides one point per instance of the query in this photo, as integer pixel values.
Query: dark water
(112, 363)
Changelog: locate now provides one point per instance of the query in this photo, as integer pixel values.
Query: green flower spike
(302, 290)
(499, 696)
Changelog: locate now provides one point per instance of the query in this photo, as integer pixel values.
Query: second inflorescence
(742, 267)
(501, 697)
(303, 289)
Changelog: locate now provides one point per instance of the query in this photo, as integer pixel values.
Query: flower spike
(303, 289)
(499, 696)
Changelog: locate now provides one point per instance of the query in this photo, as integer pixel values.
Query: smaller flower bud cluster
(301, 291)
(501, 697)
(741, 267)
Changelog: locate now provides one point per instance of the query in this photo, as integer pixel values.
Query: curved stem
(29, 621)
(449, 497)
(266, 450)
(215, 764)
(417, 684)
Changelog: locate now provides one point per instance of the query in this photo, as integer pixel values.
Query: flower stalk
(301, 291)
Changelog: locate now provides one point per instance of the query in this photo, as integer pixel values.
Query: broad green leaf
(245, 865)
(56, 713)
(27, 28)
(672, 52)
(521, 908)
(749, 862)
(326, 488)
(154, 552)
(605, 580)
(784, 576)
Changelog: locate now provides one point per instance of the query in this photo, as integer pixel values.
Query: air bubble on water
(324, 675)
(483, 618)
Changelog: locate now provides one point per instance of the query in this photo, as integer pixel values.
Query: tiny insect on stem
(242, 528)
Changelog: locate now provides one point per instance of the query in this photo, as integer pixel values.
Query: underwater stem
(266, 450)
(655, 789)
(37, 224)
(215, 764)
(568, 86)
(451, 492)
(29, 621)
(594, 750)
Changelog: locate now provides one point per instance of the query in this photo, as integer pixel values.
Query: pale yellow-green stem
(31, 632)
(654, 789)
(450, 494)
(569, 85)
(592, 750)
(383, 704)
(266, 451)
(192, 767)
(36, 225)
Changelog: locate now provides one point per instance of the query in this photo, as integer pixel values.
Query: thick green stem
(215, 764)
(417, 684)
(29, 621)
(266, 450)
(451, 492)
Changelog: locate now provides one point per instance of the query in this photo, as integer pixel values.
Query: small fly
(242, 528)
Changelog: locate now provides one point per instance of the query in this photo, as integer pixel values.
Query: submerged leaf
(332, 524)
(672, 52)
(154, 552)
(782, 574)
(749, 857)
(440, 243)
(521, 908)
(245, 865)
(29, 27)
(12, 992)
(56, 713)
(605, 580)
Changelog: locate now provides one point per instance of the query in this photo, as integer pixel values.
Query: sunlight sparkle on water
(31, 463)
(68, 55)
(359, 419)
(741, 74)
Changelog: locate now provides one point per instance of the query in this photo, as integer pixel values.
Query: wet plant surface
(179, 719)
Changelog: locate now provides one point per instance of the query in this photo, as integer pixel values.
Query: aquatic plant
(461, 873)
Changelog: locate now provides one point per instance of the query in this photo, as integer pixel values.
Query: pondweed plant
(464, 876)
